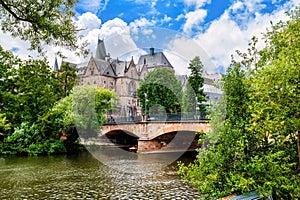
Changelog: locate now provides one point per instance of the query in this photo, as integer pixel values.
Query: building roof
(56, 65)
(120, 67)
(153, 60)
(100, 51)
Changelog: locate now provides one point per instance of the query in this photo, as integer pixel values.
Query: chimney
(151, 51)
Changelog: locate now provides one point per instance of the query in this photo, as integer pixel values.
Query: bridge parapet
(149, 130)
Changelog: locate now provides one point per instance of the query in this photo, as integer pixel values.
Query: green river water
(82, 176)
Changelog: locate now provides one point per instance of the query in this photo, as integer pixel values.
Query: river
(82, 176)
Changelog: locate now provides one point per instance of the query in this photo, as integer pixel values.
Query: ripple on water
(83, 177)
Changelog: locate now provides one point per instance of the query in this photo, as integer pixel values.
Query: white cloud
(237, 6)
(197, 3)
(187, 49)
(116, 35)
(221, 39)
(140, 23)
(193, 19)
(168, 4)
(166, 18)
(114, 26)
(179, 17)
(88, 21)
(224, 35)
(147, 31)
(90, 5)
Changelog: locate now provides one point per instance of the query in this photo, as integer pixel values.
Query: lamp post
(145, 115)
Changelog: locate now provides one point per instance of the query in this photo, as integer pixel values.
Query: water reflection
(84, 177)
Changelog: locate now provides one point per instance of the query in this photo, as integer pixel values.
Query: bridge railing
(167, 117)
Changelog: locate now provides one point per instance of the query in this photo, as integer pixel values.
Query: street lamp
(145, 114)
(145, 102)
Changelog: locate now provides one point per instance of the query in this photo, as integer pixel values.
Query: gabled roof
(81, 68)
(101, 65)
(110, 70)
(153, 60)
(131, 66)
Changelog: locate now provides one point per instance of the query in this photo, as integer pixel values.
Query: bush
(28, 140)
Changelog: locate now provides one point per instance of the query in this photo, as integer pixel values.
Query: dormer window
(92, 71)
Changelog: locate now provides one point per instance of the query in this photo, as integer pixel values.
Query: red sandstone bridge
(154, 135)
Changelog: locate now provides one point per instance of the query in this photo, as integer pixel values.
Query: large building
(124, 76)
(121, 76)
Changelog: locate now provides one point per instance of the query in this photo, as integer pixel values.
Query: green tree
(35, 91)
(84, 110)
(161, 91)
(195, 83)
(216, 171)
(40, 22)
(276, 112)
(67, 78)
(8, 71)
(189, 101)
(28, 88)
(258, 146)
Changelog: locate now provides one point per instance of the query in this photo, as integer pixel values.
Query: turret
(100, 51)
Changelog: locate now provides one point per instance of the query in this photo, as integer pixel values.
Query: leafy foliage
(213, 169)
(83, 111)
(40, 22)
(160, 87)
(189, 100)
(195, 84)
(27, 140)
(29, 90)
(258, 147)
(67, 78)
(4, 124)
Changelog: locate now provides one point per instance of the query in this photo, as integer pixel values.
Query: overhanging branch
(8, 9)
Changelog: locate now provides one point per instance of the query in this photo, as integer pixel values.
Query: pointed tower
(100, 51)
(55, 65)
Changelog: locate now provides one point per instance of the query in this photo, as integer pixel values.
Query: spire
(55, 65)
(100, 51)
(132, 61)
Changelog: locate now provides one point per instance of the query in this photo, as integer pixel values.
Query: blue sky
(211, 29)
(172, 14)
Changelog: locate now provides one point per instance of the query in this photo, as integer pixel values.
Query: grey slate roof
(101, 65)
(154, 60)
(120, 67)
(100, 51)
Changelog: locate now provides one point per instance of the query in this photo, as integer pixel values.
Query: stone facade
(124, 77)
(121, 76)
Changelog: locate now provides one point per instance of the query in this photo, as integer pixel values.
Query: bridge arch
(150, 130)
(149, 134)
(183, 139)
(121, 138)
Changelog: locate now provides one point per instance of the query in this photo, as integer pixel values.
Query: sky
(182, 29)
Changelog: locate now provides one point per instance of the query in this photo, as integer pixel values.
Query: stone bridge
(150, 130)
(150, 133)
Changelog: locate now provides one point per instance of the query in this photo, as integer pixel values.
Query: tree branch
(7, 8)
